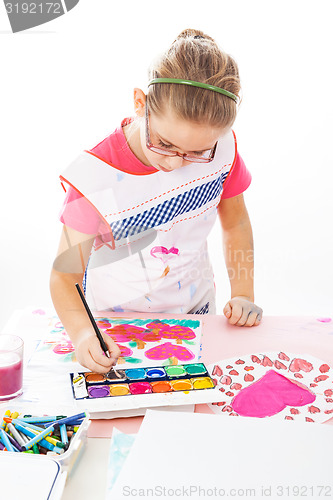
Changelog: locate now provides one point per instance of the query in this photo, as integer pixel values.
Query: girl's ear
(139, 102)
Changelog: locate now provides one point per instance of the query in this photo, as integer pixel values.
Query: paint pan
(155, 373)
(195, 369)
(175, 371)
(182, 385)
(119, 389)
(202, 383)
(161, 386)
(140, 388)
(94, 378)
(136, 373)
(138, 381)
(112, 376)
(99, 391)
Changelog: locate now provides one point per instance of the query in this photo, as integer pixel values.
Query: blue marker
(37, 429)
(35, 438)
(5, 440)
(37, 420)
(69, 420)
(63, 433)
(46, 444)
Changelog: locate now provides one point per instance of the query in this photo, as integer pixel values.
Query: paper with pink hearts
(275, 385)
(142, 342)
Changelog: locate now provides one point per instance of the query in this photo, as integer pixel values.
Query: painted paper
(278, 385)
(120, 447)
(144, 342)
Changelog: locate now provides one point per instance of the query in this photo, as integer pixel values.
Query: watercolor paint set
(145, 387)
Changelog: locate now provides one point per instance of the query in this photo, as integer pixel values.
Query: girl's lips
(163, 169)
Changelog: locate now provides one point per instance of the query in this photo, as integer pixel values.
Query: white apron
(159, 223)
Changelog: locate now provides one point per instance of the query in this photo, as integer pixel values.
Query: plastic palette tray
(142, 387)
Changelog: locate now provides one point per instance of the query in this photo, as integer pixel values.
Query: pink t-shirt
(81, 216)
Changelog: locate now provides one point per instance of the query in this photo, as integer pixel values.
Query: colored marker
(63, 433)
(5, 440)
(16, 434)
(58, 450)
(23, 436)
(15, 444)
(35, 449)
(21, 425)
(4, 423)
(12, 415)
(36, 420)
(36, 430)
(34, 438)
(69, 420)
(45, 444)
(48, 444)
(41, 448)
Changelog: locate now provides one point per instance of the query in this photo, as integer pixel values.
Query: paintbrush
(97, 331)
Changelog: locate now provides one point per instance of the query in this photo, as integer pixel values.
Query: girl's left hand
(240, 311)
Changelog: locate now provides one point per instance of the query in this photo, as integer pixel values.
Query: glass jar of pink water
(11, 366)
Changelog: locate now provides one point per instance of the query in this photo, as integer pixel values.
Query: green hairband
(194, 84)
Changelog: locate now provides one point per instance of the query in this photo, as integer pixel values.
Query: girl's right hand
(90, 354)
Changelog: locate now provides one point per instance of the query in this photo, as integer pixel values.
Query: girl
(140, 205)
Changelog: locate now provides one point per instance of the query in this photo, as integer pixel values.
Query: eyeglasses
(205, 157)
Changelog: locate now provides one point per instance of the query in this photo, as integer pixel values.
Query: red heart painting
(269, 395)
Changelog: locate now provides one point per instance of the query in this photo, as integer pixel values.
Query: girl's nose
(174, 162)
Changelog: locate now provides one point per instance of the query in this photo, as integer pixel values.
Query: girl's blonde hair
(195, 56)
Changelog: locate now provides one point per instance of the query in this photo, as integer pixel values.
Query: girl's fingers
(98, 356)
(92, 365)
(227, 310)
(113, 348)
(243, 312)
(236, 313)
(259, 317)
(252, 318)
(244, 317)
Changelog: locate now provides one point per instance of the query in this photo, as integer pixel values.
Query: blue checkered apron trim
(168, 210)
(203, 310)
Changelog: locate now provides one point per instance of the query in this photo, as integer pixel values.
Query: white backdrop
(67, 84)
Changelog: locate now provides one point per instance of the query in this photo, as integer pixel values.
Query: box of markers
(60, 437)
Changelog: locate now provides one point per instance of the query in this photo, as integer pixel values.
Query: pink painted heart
(125, 351)
(299, 364)
(171, 331)
(63, 348)
(164, 253)
(168, 350)
(271, 394)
